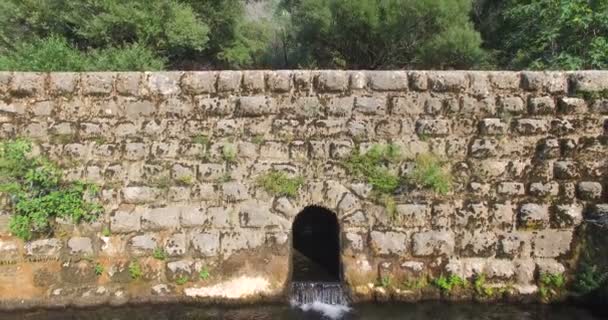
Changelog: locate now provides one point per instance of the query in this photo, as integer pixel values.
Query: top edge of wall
(164, 83)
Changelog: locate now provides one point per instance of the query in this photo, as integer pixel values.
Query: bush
(38, 195)
(56, 54)
(385, 33)
(373, 166)
(278, 183)
(430, 173)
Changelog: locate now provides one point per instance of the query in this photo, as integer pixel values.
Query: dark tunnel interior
(316, 244)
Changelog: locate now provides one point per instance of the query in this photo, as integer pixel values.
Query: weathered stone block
(140, 194)
(552, 243)
(565, 170)
(240, 239)
(387, 80)
(386, 243)
(254, 214)
(279, 81)
(164, 83)
(161, 218)
(499, 269)
(511, 188)
(229, 81)
(541, 189)
(27, 84)
(553, 82)
(413, 215)
(444, 81)
(433, 243)
(570, 105)
(253, 81)
(511, 105)
(433, 127)
(478, 244)
(493, 126)
(143, 244)
(80, 246)
(371, 105)
(205, 244)
(332, 81)
(43, 249)
(568, 215)
(128, 83)
(484, 148)
(180, 269)
(97, 83)
(541, 105)
(255, 106)
(125, 222)
(199, 82)
(9, 251)
(531, 126)
(235, 191)
(63, 83)
(589, 190)
(589, 81)
(532, 215)
(515, 245)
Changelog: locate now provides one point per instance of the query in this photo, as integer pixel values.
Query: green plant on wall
(159, 254)
(373, 166)
(480, 286)
(229, 153)
(37, 193)
(278, 183)
(135, 270)
(204, 273)
(98, 269)
(429, 172)
(550, 285)
(447, 284)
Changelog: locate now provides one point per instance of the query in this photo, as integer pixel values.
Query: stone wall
(527, 152)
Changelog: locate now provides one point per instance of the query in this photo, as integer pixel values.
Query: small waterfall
(332, 293)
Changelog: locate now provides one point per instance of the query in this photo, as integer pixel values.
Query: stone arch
(316, 245)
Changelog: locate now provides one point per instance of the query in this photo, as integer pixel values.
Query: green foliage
(186, 180)
(182, 280)
(447, 284)
(229, 153)
(430, 173)
(384, 33)
(204, 273)
(159, 254)
(415, 284)
(385, 281)
(202, 140)
(373, 166)
(551, 285)
(98, 269)
(590, 278)
(135, 270)
(481, 288)
(37, 194)
(279, 184)
(546, 34)
(106, 232)
(390, 205)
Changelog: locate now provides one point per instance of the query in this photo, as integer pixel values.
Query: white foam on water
(331, 311)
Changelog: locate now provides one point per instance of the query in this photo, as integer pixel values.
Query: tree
(546, 34)
(385, 33)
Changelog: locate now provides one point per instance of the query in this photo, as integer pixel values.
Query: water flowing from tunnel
(326, 298)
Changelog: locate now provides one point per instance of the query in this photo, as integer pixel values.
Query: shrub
(37, 193)
(278, 183)
(159, 254)
(204, 273)
(551, 285)
(447, 284)
(430, 173)
(135, 270)
(98, 269)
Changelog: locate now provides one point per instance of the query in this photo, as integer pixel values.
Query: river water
(420, 311)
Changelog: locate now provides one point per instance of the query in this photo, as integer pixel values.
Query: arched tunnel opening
(316, 246)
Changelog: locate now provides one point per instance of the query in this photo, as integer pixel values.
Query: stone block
(433, 127)
(418, 80)
(532, 215)
(493, 126)
(565, 170)
(484, 148)
(143, 244)
(128, 83)
(332, 81)
(371, 105)
(570, 105)
(413, 215)
(599, 106)
(205, 244)
(80, 246)
(254, 214)
(541, 105)
(180, 269)
(478, 244)
(229, 81)
(164, 83)
(9, 251)
(515, 245)
(433, 243)
(590, 81)
(511, 105)
(63, 83)
(448, 81)
(97, 83)
(279, 81)
(388, 80)
(125, 222)
(589, 190)
(161, 218)
(137, 195)
(176, 245)
(499, 269)
(553, 82)
(511, 188)
(552, 243)
(568, 215)
(240, 239)
(235, 191)
(544, 189)
(255, 106)
(253, 81)
(27, 84)
(44, 249)
(388, 243)
(531, 126)
(199, 82)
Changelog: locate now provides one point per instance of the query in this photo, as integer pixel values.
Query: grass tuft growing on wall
(278, 183)
(373, 166)
(429, 172)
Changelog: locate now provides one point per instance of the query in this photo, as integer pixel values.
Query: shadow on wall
(316, 246)
(591, 280)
